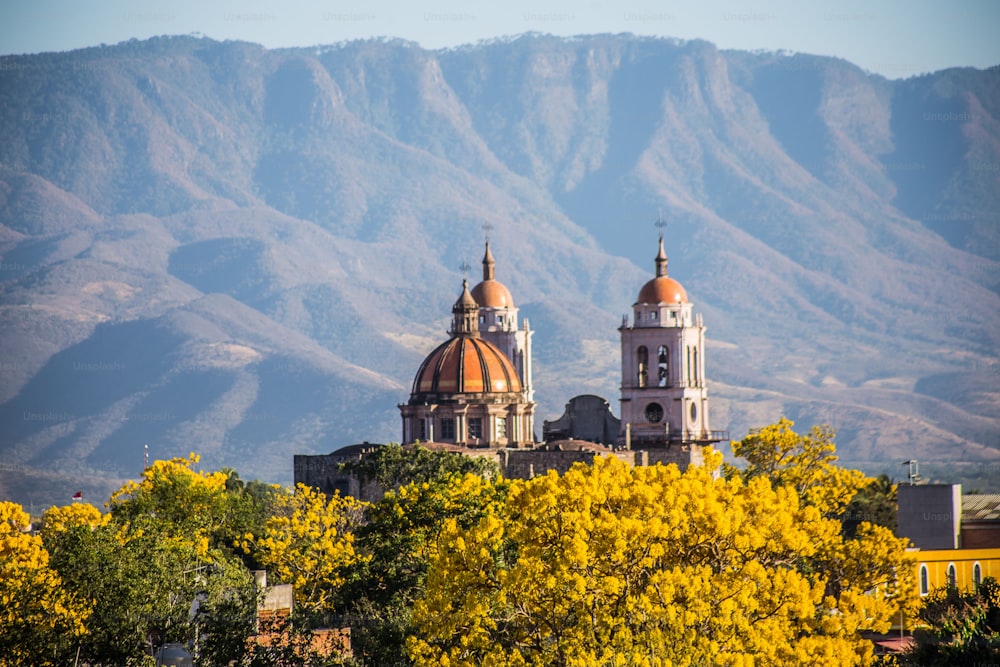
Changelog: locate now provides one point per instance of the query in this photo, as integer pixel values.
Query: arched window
(663, 363)
(977, 575)
(925, 587)
(642, 361)
(697, 371)
(952, 577)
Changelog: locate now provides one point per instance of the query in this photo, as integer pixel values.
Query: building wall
(980, 535)
(322, 471)
(586, 417)
(936, 562)
(930, 514)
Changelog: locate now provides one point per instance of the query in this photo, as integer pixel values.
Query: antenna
(914, 473)
(145, 457)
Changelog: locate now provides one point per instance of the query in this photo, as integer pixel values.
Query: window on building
(642, 361)
(501, 428)
(663, 366)
(421, 429)
(688, 374)
(977, 575)
(448, 428)
(952, 576)
(475, 428)
(652, 315)
(925, 587)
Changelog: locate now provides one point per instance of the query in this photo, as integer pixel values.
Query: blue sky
(896, 38)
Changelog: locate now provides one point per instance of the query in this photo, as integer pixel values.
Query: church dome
(662, 288)
(466, 364)
(491, 293)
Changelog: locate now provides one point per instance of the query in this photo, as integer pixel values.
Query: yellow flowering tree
(309, 543)
(867, 564)
(61, 518)
(40, 621)
(612, 565)
(807, 463)
(181, 501)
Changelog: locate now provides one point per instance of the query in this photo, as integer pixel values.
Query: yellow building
(964, 568)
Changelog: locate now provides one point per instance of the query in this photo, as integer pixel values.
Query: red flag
(78, 495)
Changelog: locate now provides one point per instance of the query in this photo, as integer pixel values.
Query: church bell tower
(664, 398)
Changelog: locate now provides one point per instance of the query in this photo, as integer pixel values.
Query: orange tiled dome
(492, 294)
(662, 290)
(466, 364)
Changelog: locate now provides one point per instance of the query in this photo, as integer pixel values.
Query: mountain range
(215, 247)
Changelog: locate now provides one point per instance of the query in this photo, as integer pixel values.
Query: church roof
(466, 365)
(491, 293)
(662, 288)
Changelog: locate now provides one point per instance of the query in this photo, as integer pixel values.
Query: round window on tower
(694, 412)
(654, 413)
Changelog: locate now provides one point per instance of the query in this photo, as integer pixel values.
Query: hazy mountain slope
(215, 247)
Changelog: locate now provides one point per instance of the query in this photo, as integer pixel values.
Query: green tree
(398, 538)
(157, 568)
(962, 627)
(875, 503)
(392, 465)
